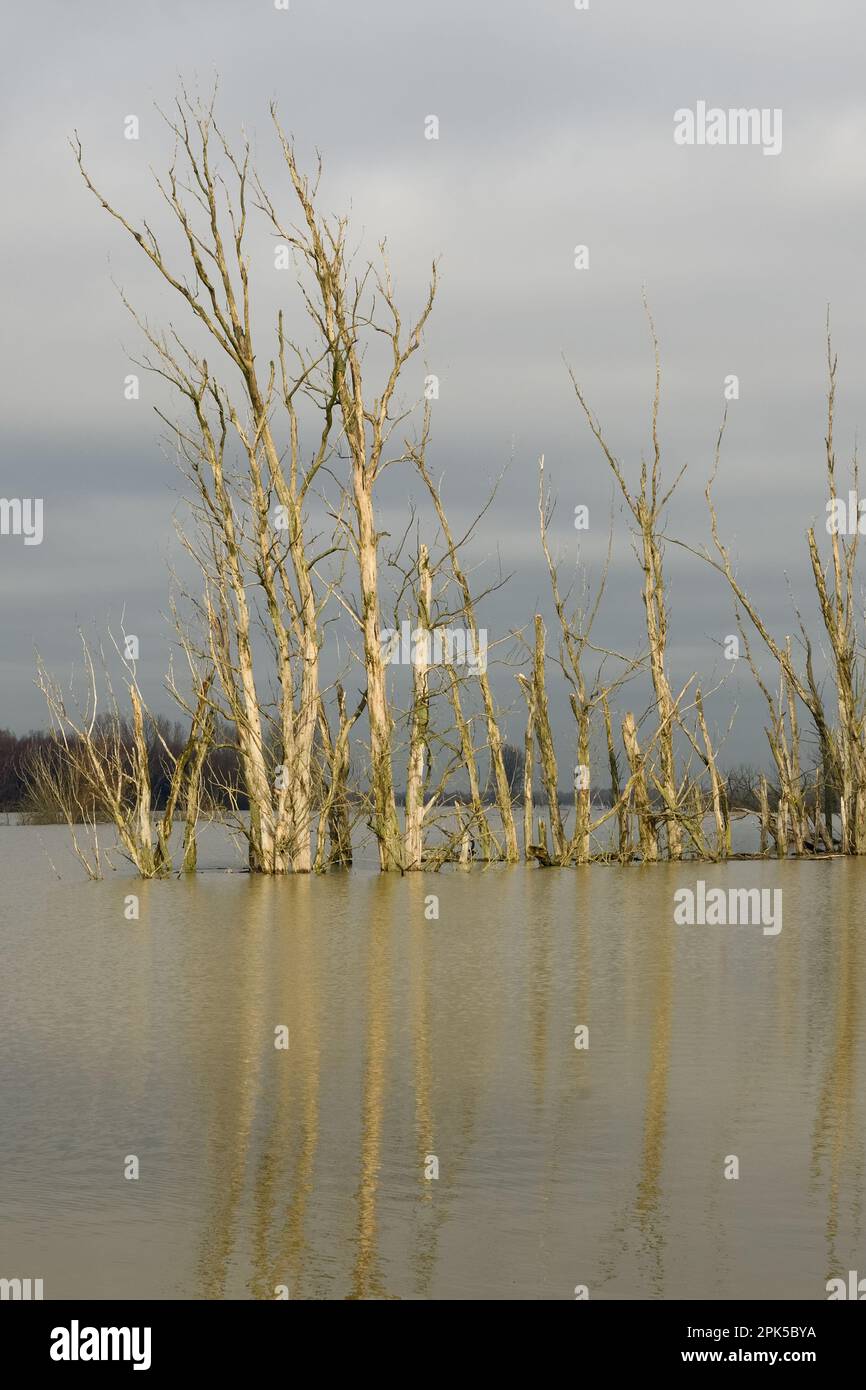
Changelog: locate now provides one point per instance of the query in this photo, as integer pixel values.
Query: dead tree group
(283, 438)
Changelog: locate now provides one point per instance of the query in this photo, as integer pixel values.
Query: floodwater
(412, 1038)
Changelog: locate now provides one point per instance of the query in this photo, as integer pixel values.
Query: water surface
(412, 1037)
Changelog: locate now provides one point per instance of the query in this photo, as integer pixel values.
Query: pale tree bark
(467, 752)
(796, 796)
(576, 633)
(335, 812)
(783, 737)
(193, 795)
(613, 765)
(544, 737)
(502, 789)
(839, 611)
(718, 791)
(646, 821)
(141, 824)
(647, 506)
(419, 721)
(186, 781)
(528, 763)
(764, 813)
(842, 751)
(579, 848)
(211, 211)
(346, 319)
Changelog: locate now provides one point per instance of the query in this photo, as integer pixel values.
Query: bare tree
(210, 205)
(843, 748)
(647, 505)
(419, 752)
(502, 786)
(347, 315)
(107, 767)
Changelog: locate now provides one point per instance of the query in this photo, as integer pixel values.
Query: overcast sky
(555, 129)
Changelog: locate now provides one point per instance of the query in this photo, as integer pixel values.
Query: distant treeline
(21, 791)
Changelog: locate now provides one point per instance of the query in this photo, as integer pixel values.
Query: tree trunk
(413, 838)
(649, 847)
(546, 751)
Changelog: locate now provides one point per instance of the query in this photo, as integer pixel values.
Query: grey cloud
(556, 129)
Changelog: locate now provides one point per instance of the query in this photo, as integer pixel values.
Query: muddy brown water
(414, 1036)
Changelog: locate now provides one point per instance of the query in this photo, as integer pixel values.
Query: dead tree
(584, 696)
(347, 316)
(419, 720)
(647, 506)
(108, 760)
(209, 206)
(544, 738)
(502, 788)
(647, 822)
(186, 782)
(718, 791)
(528, 758)
(335, 810)
(623, 839)
(843, 748)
